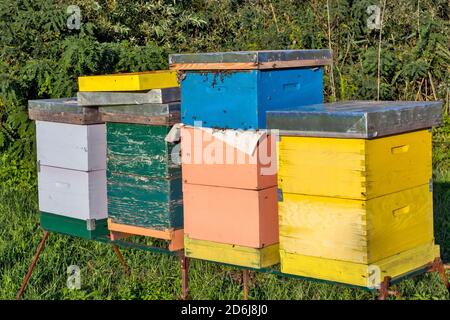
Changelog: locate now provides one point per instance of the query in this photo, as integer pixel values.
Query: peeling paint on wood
(146, 202)
(240, 99)
(140, 150)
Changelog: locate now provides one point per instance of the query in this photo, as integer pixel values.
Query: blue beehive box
(235, 89)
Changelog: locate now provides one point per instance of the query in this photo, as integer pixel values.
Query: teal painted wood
(154, 203)
(140, 150)
(73, 227)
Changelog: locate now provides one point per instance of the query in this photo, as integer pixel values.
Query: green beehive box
(140, 150)
(144, 183)
(140, 201)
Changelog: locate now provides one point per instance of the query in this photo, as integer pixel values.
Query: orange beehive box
(228, 158)
(229, 215)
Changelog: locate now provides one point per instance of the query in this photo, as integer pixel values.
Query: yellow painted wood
(356, 230)
(354, 168)
(358, 274)
(129, 81)
(232, 254)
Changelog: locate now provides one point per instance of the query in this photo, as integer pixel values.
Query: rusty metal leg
(245, 281)
(439, 267)
(121, 259)
(184, 262)
(383, 292)
(33, 264)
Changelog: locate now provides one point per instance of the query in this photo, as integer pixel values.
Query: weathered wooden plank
(354, 168)
(71, 146)
(357, 273)
(150, 114)
(355, 230)
(144, 202)
(356, 119)
(140, 150)
(270, 59)
(65, 110)
(231, 254)
(121, 231)
(137, 81)
(216, 99)
(73, 227)
(128, 98)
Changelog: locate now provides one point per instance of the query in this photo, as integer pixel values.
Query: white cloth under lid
(243, 140)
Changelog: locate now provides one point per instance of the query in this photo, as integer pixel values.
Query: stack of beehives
(144, 184)
(229, 163)
(355, 180)
(71, 155)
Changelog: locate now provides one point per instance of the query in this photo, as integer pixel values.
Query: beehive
(229, 196)
(216, 86)
(71, 155)
(144, 183)
(228, 158)
(233, 216)
(354, 209)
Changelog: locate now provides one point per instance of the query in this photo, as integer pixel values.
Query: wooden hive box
(256, 258)
(71, 146)
(354, 168)
(351, 207)
(73, 201)
(144, 184)
(140, 150)
(232, 216)
(228, 158)
(65, 110)
(137, 81)
(233, 90)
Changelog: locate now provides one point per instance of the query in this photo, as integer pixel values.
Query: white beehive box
(71, 146)
(73, 193)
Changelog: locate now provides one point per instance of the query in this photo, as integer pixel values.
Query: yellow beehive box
(358, 231)
(354, 168)
(137, 81)
(359, 274)
(232, 254)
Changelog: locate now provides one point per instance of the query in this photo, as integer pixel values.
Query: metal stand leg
(439, 267)
(383, 292)
(245, 281)
(33, 264)
(122, 260)
(184, 262)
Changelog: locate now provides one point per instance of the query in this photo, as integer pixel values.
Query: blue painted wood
(240, 99)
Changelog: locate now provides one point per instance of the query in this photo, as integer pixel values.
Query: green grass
(157, 276)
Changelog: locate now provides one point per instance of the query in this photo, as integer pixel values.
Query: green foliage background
(41, 58)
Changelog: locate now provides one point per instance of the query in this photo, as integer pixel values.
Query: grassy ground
(157, 276)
